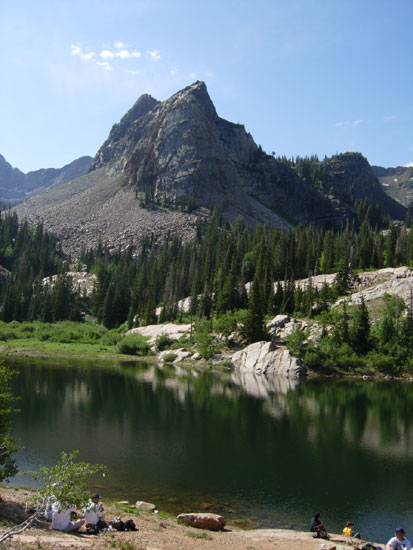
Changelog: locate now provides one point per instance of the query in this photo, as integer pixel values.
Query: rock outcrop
(265, 358)
(212, 522)
(396, 182)
(172, 330)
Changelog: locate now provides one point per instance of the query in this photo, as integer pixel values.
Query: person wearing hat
(93, 512)
(399, 541)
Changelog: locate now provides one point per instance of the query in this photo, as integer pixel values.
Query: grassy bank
(65, 338)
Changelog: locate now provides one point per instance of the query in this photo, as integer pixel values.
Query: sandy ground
(156, 532)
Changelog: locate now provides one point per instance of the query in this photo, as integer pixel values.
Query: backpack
(130, 525)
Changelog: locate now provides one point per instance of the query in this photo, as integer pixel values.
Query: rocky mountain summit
(166, 163)
(180, 150)
(17, 186)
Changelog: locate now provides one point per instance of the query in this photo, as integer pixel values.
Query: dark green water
(272, 450)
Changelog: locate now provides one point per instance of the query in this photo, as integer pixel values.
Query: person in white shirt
(399, 541)
(93, 511)
(61, 517)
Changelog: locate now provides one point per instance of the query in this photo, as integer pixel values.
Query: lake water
(272, 450)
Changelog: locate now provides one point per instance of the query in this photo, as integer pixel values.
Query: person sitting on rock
(348, 529)
(61, 517)
(94, 512)
(317, 527)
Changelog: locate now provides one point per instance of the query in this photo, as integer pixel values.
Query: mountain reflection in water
(273, 448)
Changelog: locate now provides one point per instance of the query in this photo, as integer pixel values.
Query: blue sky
(303, 76)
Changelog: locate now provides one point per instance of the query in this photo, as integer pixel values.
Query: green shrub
(169, 357)
(133, 344)
(163, 342)
(8, 334)
(111, 338)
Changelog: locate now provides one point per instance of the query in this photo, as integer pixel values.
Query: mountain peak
(195, 92)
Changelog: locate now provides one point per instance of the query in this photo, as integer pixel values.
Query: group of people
(398, 542)
(60, 515)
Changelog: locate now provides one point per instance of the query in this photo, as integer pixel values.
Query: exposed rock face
(350, 178)
(213, 522)
(15, 185)
(180, 148)
(172, 330)
(396, 182)
(264, 358)
(11, 180)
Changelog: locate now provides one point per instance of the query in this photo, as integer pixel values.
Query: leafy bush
(8, 334)
(163, 342)
(203, 339)
(111, 338)
(133, 344)
(169, 357)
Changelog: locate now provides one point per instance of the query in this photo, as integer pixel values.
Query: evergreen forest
(228, 273)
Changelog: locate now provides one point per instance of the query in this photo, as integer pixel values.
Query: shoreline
(159, 531)
(22, 351)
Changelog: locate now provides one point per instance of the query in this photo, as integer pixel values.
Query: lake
(272, 450)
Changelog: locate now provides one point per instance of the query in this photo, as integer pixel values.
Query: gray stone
(145, 506)
(264, 358)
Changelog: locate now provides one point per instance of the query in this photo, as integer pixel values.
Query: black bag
(130, 525)
(118, 525)
(91, 529)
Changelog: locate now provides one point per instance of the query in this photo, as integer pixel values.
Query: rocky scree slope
(96, 208)
(17, 186)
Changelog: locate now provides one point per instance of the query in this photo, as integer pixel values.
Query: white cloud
(76, 49)
(119, 45)
(87, 56)
(134, 73)
(192, 75)
(391, 117)
(343, 123)
(173, 71)
(408, 165)
(126, 54)
(155, 54)
(105, 65)
(106, 54)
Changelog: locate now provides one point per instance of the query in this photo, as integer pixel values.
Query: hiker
(348, 529)
(317, 527)
(61, 517)
(93, 512)
(399, 541)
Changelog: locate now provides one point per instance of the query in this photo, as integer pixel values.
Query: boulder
(145, 506)
(264, 358)
(278, 322)
(213, 522)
